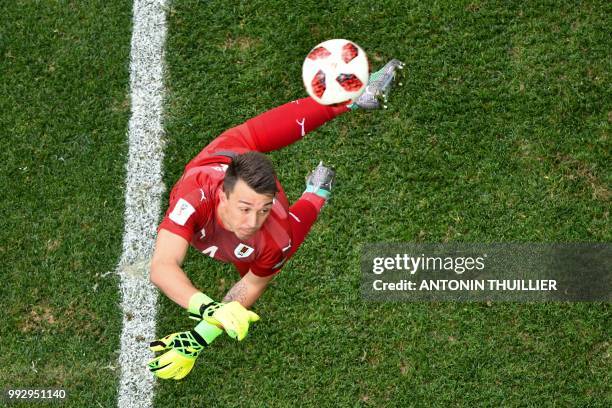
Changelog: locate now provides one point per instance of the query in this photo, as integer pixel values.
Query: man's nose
(252, 219)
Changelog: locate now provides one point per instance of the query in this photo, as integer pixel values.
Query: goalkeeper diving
(229, 205)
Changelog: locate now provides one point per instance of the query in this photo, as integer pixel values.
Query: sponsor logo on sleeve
(181, 212)
(301, 124)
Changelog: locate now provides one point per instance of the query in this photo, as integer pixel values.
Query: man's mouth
(247, 232)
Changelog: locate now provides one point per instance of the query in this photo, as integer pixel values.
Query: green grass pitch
(499, 134)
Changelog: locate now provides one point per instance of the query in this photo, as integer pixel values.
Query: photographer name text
(467, 285)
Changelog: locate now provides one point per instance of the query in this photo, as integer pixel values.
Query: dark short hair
(255, 169)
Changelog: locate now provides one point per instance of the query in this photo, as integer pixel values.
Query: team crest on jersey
(242, 251)
(181, 212)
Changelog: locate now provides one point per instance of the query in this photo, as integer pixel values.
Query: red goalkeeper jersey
(192, 214)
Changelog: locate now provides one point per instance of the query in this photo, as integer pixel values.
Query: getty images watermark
(479, 272)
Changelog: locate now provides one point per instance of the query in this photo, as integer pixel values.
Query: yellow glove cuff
(209, 332)
(197, 299)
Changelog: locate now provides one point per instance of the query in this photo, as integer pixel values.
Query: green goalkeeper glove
(231, 317)
(182, 349)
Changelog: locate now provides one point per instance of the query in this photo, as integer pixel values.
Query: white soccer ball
(335, 71)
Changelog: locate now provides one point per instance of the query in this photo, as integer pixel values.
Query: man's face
(243, 211)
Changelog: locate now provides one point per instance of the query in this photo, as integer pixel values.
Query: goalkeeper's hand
(182, 349)
(231, 317)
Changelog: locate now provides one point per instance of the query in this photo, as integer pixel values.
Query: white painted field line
(144, 188)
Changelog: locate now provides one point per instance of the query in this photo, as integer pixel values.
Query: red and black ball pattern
(349, 52)
(318, 84)
(349, 82)
(319, 53)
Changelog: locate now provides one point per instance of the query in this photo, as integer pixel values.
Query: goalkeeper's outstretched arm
(166, 271)
(248, 289)
(169, 277)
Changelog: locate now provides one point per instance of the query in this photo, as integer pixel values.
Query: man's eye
(265, 211)
(244, 210)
